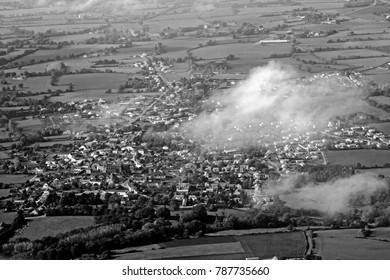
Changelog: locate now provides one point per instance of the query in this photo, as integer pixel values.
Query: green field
(385, 100)
(378, 171)
(343, 244)
(383, 127)
(37, 84)
(31, 125)
(241, 51)
(368, 158)
(341, 54)
(263, 246)
(14, 108)
(51, 226)
(65, 51)
(4, 192)
(94, 81)
(8, 217)
(14, 179)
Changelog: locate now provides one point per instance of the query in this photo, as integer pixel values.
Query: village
(143, 152)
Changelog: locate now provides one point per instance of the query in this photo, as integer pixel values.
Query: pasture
(8, 217)
(353, 53)
(365, 63)
(63, 27)
(241, 51)
(93, 81)
(382, 78)
(344, 245)
(4, 192)
(37, 84)
(185, 252)
(383, 127)
(379, 171)
(92, 94)
(263, 246)
(31, 125)
(385, 100)
(65, 51)
(52, 226)
(14, 178)
(368, 158)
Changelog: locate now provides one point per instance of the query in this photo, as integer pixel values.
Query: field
(383, 78)
(94, 81)
(4, 192)
(14, 179)
(63, 27)
(368, 158)
(77, 38)
(385, 100)
(241, 51)
(383, 127)
(8, 217)
(37, 84)
(365, 63)
(379, 171)
(185, 252)
(51, 226)
(64, 51)
(31, 125)
(343, 244)
(14, 108)
(263, 246)
(341, 54)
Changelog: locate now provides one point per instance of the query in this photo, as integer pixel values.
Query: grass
(51, 226)
(64, 51)
(4, 192)
(62, 27)
(343, 244)
(366, 63)
(15, 108)
(349, 53)
(368, 158)
(8, 217)
(385, 100)
(14, 179)
(94, 81)
(380, 78)
(36, 84)
(53, 143)
(241, 51)
(186, 251)
(77, 38)
(31, 125)
(383, 127)
(263, 246)
(237, 232)
(378, 171)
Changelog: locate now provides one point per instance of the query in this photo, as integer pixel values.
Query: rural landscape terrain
(202, 130)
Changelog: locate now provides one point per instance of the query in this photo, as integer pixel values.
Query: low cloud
(273, 98)
(329, 197)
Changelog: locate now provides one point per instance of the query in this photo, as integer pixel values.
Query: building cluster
(136, 148)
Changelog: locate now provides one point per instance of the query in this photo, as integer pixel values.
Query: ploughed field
(262, 246)
(367, 158)
(346, 245)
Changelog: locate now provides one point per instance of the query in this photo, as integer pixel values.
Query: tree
(200, 213)
(71, 87)
(55, 77)
(20, 85)
(163, 212)
(175, 204)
